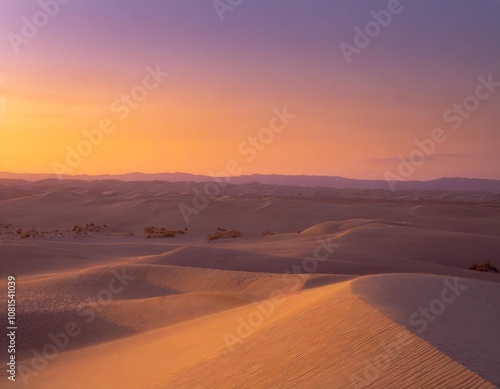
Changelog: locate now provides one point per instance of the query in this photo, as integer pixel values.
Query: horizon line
(76, 176)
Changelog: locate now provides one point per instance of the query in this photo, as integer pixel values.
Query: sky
(251, 86)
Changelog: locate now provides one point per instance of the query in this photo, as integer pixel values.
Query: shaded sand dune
(463, 315)
(109, 302)
(384, 250)
(53, 256)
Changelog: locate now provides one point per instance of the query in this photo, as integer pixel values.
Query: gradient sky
(225, 78)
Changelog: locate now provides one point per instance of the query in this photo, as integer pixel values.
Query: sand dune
(324, 337)
(465, 330)
(351, 225)
(323, 299)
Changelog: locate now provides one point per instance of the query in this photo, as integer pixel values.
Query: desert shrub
(484, 266)
(89, 227)
(214, 236)
(222, 233)
(31, 233)
(268, 233)
(233, 234)
(161, 232)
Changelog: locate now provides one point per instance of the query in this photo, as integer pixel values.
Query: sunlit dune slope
(323, 337)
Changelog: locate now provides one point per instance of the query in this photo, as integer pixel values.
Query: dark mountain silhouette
(446, 183)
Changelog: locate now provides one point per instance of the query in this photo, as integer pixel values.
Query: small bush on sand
(161, 232)
(31, 233)
(268, 233)
(89, 227)
(484, 266)
(222, 233)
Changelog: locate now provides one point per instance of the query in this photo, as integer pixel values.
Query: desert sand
(325, 288)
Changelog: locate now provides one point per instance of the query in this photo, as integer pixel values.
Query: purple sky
(354, 119)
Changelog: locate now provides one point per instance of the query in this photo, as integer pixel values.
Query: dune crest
(324, 337)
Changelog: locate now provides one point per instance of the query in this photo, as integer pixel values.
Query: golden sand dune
(351, 225)
(324, 337)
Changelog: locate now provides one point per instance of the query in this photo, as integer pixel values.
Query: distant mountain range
(455, 183)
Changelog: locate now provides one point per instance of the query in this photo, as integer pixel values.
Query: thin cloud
(428, 158)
